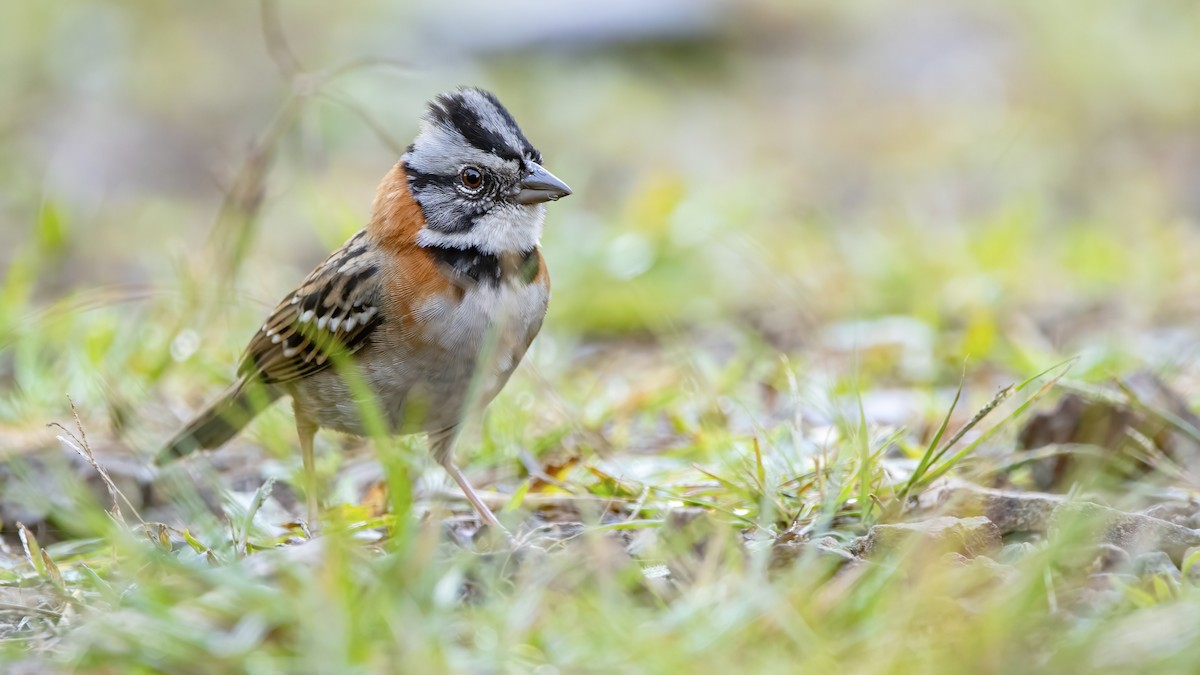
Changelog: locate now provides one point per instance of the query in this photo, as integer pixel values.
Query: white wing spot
(289, 352)
(321, 322)
(333, 324)
(276, 339)
(306, 316)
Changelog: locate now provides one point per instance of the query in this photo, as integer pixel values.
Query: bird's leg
(306, 429)
(484, 512)
(443, 445)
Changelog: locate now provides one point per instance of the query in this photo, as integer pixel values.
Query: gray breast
(427, 384)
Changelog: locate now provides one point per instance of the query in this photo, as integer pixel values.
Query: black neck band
(486, 268)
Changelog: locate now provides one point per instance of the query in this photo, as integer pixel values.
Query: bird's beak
(539, 185)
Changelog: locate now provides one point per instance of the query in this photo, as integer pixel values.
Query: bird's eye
(471, 178)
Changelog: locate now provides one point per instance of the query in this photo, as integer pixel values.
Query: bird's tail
(220, 422)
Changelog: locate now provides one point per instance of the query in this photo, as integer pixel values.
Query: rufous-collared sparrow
(431, 306)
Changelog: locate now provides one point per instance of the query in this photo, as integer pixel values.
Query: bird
(419, 318)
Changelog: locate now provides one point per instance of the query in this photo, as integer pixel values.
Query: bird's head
(478, 180)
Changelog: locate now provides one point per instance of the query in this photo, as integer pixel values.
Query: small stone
(1156, 563)
(1011, 511)
(1012, 553)
(998, 570)
(1134, 532)
(828, 542)
(968, 536)
(826, 549)
(832, 549)
(979, 572)
(1109, 558)
(1178, 513)
(1093, 557)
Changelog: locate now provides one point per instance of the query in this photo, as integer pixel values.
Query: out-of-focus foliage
(785, 214)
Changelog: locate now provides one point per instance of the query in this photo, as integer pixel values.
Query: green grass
(806, 272)
(395, 591)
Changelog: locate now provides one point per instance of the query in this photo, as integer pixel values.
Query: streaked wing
(333, 311)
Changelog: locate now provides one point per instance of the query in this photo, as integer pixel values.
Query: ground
(872, 344)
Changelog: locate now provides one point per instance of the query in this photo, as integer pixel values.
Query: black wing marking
(333, 311)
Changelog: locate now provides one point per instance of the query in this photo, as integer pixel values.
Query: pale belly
(452, 359)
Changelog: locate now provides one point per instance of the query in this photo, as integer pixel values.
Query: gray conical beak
(539, 185)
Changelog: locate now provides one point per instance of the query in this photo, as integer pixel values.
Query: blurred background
(877, 190)
(799, 231)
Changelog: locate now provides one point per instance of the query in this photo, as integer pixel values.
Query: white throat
(508, 228)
